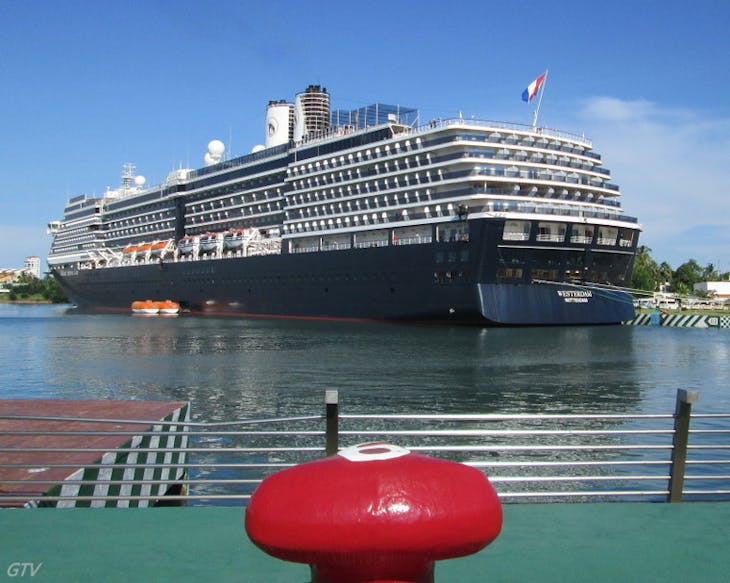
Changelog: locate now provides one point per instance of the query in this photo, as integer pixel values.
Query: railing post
(682, 415)
(332, 416)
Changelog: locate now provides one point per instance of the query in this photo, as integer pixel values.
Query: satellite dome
(216, 148)
(139, 181)
(257, 148)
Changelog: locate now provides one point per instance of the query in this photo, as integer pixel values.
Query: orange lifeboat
(146, 307)
(129, 249)
(144, 248)
(157, 249)
(167, 307)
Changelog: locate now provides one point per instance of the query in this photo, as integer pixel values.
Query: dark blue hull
(553, 304)
(452, 281)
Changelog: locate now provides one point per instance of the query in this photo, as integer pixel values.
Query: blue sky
(86, 86)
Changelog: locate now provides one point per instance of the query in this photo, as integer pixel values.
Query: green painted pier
(586, 542)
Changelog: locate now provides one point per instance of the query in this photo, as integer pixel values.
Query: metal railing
(528, 458)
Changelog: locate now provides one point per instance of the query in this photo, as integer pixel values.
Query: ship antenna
(127, 176)
(539, 100)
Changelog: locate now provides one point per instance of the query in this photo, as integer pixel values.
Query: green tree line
(30, 288)
(649, 275)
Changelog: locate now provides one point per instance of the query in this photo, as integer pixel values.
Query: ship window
(610, 268)
(545, 274)
(607, 235)
(509, 273)
(516, 231)
(626, 238)
(453, 233)
(512, 257)
(554, 232)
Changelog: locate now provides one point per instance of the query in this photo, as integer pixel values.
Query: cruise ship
(365, 214)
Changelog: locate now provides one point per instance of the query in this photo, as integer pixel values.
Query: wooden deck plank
(38, 462)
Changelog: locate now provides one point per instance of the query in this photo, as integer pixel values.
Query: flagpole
(539, 101)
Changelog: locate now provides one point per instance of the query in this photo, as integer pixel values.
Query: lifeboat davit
(186, 245)
(157, 249)
(168, 307)
(208, 242)
(147, 307)
(233, 239)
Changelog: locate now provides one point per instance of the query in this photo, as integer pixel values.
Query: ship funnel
(311, 112)
(279, 117)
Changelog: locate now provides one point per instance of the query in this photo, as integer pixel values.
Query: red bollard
(374, 513)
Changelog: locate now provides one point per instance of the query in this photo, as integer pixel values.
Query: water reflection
(249, 368)
(236, 367)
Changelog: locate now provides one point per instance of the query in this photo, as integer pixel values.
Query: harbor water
(232, 368)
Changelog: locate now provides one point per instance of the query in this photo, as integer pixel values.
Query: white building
(718, 289)
(33, 266)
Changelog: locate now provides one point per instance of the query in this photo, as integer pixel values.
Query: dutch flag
(532, 89)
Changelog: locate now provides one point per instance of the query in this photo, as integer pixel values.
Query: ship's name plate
(575, 296)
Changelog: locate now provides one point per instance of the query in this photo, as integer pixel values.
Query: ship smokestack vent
(311, 112)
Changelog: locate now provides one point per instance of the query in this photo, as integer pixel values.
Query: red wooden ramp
(90, 453)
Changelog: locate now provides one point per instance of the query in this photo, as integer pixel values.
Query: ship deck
(546, 542)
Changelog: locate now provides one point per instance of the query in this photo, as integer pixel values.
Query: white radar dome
(216, 148)
(139, 181)
(257, 148)
(214, 153)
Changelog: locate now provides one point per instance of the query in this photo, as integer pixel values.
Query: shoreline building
(717, 289)
(32, 266)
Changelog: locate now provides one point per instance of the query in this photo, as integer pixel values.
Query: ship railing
(528, 457)
(335, 246)
(416, 240)
(304, 249)
(581, 239)
(516, 236)
(273, 246)
(373, 243)
(499, 125)
(550, 237)
(264, 247)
